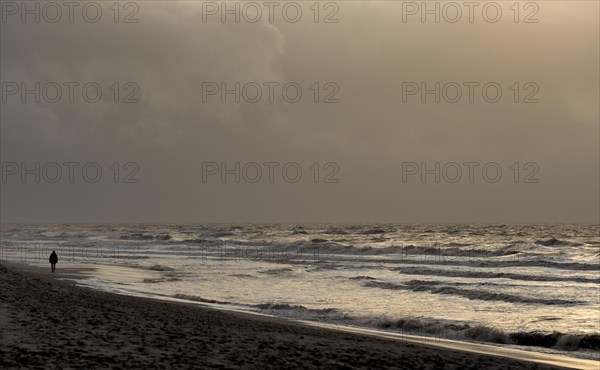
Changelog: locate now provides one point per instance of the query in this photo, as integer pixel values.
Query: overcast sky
(363, 144)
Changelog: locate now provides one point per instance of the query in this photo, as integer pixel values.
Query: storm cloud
(353, 141)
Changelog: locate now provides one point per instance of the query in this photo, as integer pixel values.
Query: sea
(532, 287)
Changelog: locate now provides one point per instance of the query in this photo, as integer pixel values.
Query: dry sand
(47, 323)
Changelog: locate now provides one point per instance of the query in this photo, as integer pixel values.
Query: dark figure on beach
(53, 260)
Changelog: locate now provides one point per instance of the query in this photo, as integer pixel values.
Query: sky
(131, 114)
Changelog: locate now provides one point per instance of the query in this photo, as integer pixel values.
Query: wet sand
(48, 323)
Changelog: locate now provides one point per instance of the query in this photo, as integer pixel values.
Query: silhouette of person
(53, 260)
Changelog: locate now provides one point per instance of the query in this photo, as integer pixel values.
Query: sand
(47, 323)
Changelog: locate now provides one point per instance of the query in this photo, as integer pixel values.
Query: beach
(51, 323)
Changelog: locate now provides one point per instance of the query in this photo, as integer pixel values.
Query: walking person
(53, 260)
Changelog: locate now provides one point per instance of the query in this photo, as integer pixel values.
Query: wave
(490, 275)
(169, 274)
(336, 231)
(300, 312)
(322, 249)
(373, 231)
(557, 243)
(460, 249)
(142, 236)
(161, 280)
(362, 277)
(220, 234)
(489, 333)
(556, 340)
(436, 287)
(439, 328)
(276, 271)
(242, 276)
(160, 268)
(195, 298)
(279, 306)
(517, 262)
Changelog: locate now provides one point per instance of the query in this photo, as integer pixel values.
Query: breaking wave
(436, 287)
(487, 333)
(490, 275)
(446, 329)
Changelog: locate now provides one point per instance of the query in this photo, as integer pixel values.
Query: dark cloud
(368, 134)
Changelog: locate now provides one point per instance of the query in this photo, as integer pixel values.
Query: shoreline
(97, 320)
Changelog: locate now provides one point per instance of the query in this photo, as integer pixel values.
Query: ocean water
(534, 286)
